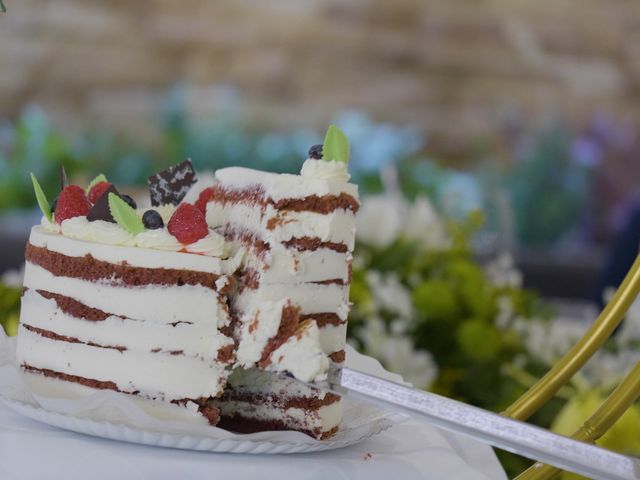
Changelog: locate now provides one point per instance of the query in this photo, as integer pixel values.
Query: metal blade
(518, 437)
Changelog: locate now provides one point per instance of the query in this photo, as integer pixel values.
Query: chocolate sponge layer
(90, 269)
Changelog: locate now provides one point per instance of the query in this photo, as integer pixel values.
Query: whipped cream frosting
(325, 170)
(48, 226)
(159, 239)
(213, 245)
(165, 212)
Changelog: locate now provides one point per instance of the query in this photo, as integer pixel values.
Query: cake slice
(298, 232)
(115, 299)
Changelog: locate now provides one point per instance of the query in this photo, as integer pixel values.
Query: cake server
(499, 431)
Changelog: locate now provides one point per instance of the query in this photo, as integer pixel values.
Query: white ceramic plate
(193, 442)
(359, 423)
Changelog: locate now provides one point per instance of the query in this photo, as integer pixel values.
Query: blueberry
(130, 201)
(316, 152)
(152, 220)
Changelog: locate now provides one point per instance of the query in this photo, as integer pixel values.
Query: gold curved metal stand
(615, 405)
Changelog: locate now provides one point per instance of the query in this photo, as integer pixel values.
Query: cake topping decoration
(336, 145)
(130, 201)
(64, 181)
(171, 185)
(43, 203)
(72, 202)
(188, 224)
(100, 209)
(96, 191)
(100, 178)
(124, 215)
(152, 220)
(315, 152)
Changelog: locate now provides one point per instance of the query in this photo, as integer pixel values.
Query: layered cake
(195, 306)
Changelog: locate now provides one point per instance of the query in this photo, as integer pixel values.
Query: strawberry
(203, 199)
(97, 190)
(72, 202)
(188, 224)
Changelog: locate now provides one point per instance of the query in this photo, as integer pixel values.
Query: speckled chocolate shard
(171, 185)
(100, 209)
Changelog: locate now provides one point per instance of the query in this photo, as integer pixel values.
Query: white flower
(384, 218)
(389, 294)
(398, 354)
(606, 369)
(380, 220)
(505, 312)
(501, 272)
(630, 329)
(548, 341)
(13, 278)
(423, 224)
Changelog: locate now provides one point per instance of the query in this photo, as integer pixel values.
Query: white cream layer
(279, 186)
(171, 377)
(310, 297)
(283, 265)
(301, 355)
(54, 388)
(325, 170)
(133, 256)
(337, 227)
(257, 327)
(199, 340)
(333, 338)
(153, 303)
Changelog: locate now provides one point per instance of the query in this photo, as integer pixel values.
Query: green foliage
(479, 340)
(9, 308)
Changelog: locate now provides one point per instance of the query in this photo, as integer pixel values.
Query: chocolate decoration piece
(64, 181)
(100, 210)
(130, 201)
(171, 185)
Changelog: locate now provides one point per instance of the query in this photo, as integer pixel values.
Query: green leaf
(95, 181)
(336, 145)
(43, 203)
(126, 216)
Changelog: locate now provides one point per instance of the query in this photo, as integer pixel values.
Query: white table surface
(31, 450)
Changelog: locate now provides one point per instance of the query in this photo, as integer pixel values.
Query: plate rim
(63, 420)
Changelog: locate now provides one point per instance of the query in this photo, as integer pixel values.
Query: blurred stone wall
(453, 67)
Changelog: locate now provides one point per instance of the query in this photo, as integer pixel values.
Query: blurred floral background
(496, 145)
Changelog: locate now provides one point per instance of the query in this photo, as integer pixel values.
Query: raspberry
(72, 202)
(188, 224)
(97, 190)
(203, 199)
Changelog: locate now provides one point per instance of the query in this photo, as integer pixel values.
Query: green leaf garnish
(336, 145)
(126, 216)
(43, 203)
(95, 181)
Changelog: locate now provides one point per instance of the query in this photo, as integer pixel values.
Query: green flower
(479, 340)
(435, 299)
(622, 437)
